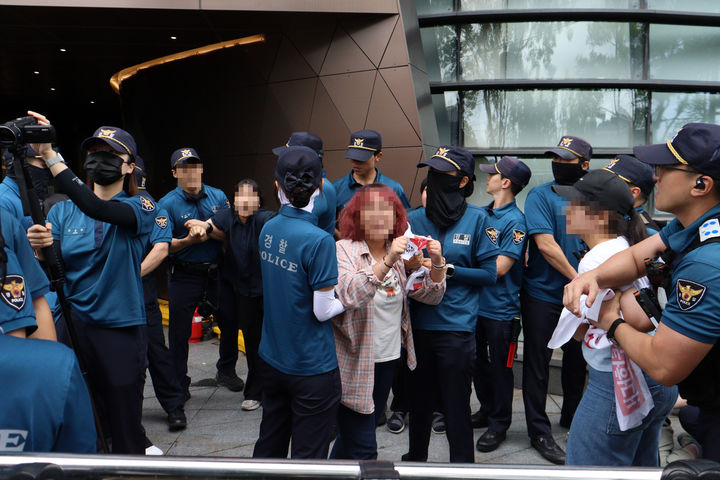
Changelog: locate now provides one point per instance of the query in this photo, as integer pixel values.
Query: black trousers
(492, 377)
(245, 313)
(444, 365)
(704, 426)
(160, 362)
(115, 361)
(539, 321)
(401, 385)
(185, 293)
(297, 408)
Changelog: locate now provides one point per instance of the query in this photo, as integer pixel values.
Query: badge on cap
(612, 163)
(709, 229)
(518, 236)
(492, 234)
(13, 291)
(566, 142)
(107, 133)
(186, 153)
(359, 142)
(689, 293)
(442, 151)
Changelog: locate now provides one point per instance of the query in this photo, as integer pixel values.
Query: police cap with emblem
(184, 156)
(363, 145)
(601, 188)
(140, 172)
(509, 167)
(116, 138)
(633, 171)
(449, 158)
(696, 145)
(570, 147)
(298, 166)
(305, 139)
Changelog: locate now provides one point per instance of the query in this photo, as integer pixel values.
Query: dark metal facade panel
(371, 35)
(386, 116)
(344, 56)
(400, 81)
(351, 93)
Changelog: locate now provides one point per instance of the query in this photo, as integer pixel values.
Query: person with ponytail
(298, 367)
(617, 423)
(444, 334)
(100, 235)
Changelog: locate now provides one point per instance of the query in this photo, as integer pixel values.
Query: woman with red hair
(376, 322)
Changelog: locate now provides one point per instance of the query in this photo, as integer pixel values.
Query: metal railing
(193, 467)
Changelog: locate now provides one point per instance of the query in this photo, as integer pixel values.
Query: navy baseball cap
(602, 188)
(117, 138)
(363, 145)
(32, 153)
(449, 158)
(184, 155)
(305, 139)
(696, 145)
(298, 166)
(633, 171)
(511, 168)
(570, 147)
(140, 172)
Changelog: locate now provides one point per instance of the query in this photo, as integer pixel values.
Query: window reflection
(446, 114)
(498, 4)
(433, 6)
(507, 119)
(670, 111)
(682, 52)
(440, 46)
(711, 6)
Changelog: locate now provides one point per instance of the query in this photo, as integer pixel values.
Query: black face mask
(567, 173)
(41, 179)
(104, 168)
(445, 200)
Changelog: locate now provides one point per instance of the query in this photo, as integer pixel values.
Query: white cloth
(388, 315)
(284, 200)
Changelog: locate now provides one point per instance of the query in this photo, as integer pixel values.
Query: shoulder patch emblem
(492, 234)
(689, 293)
(518, 236)
(146, 204)
(161, 221)
(13, 291)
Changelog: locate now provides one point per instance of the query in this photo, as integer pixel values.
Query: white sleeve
(325, 305)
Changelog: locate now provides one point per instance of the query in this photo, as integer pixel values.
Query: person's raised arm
(554, 255)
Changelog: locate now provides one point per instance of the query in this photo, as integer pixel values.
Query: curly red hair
(349, 222)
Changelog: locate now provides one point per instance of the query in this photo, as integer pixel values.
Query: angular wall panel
(351, 95)
(385, 110)
(372, 36)
(344, 56)
(289, 64)
(396, 53)
(313, 44)
(399, 79)
(327, 122)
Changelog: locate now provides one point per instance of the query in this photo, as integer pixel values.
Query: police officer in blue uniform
(641, 179)
(364, 153)
(499, 305)
(444, 334)
(324, 207)
(553, 256)
(167, 386)
(101, 236)
(193, 258)
(684, 349)
(298, 366)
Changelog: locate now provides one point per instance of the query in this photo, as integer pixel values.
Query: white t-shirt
(388, 315)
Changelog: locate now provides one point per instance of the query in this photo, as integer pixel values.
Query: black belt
(201, 268)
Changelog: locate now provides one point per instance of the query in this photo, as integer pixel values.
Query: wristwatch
(450, 271)
(209, 228)
(611, 330)
(56, 159)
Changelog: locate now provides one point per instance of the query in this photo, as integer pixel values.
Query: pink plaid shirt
(354, 329)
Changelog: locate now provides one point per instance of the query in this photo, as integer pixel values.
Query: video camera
(25, 130)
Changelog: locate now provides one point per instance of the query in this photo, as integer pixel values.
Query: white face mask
(308, 208)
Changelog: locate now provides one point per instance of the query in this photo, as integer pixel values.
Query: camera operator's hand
(44, 149)
(39, 236)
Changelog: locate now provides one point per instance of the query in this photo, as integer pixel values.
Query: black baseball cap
(633, 171)
(298, 165)
(570, 147)
(510, 167)
(183, 156)
(449, 158)
(363, 145)
(306, 139)
(696, 145)
(602, 188)
(117, 138)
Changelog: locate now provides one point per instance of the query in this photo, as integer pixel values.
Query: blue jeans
(595, 436)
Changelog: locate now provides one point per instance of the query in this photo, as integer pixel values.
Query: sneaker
(177, 420)
(153, 450)
(438, 423)
(250, 405)
(231, 381)
(396, 422)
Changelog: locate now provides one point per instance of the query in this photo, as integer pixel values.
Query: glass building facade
(513, 76)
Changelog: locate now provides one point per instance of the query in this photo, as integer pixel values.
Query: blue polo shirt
(160, 231)
(324, 207)
(468, 247)
(181, 208)
(241, 263)
(45, 406)
(545, 213)
(694, 299)
(10, 201)
(297, 258)
(24, 278)
(502, 301)
(651, 231)
(102, 262)
(345, 188)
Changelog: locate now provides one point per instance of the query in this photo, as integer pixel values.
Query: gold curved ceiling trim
(117, 79)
